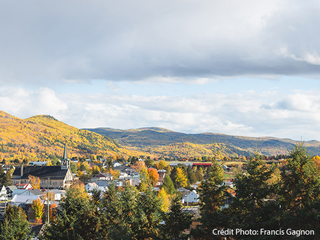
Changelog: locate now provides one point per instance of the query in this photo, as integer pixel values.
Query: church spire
(65, 162)
(65, 155)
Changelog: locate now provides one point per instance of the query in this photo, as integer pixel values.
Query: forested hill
(43, 137)
(162, 139)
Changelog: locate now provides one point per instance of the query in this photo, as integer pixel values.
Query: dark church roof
(43, 172)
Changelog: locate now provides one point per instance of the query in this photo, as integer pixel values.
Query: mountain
(157, 140)
(43, 137)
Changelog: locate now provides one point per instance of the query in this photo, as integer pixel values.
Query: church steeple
(65, 162)
(65, 155)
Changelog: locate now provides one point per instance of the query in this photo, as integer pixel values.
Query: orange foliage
(153, 175)
(138, 166)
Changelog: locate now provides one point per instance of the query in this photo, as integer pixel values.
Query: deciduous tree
(34, 181)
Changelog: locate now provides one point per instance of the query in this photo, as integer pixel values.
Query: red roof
(202, 164)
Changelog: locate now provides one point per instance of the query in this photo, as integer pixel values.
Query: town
(147, 199)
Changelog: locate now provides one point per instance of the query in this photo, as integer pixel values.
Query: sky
(248, 68)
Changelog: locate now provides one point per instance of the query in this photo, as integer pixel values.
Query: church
(51, 177)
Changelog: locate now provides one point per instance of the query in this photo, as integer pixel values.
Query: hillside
(42, 137)
(155, 140)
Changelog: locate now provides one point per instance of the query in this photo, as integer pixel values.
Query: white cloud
(249, 114)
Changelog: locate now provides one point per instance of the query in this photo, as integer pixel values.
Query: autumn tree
(164, 199)
(153, 176)
(161, 165)
(138, 166)
(181, 178)
(34, 181)
(37, 207)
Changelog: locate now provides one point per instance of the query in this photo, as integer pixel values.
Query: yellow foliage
(164, 199)
(37, 207)
(34, 181)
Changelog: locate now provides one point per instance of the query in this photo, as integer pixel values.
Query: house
(22, 200)
(58, 194)
(90, 187)
(102, 177)
(189, 196)
(23, 186)
(10, 190)
(3, 193)
(50, 176)
(37, 163)
(162, 174)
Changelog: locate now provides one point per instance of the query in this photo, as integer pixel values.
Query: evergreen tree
(250, 208)
(192, 177)
(168, 185)
(15, 225)
(149, 214)
(75, 219)
(300, 192)
(211, 199)
(176, 221)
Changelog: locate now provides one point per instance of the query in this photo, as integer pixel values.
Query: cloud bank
(76, 41)
(251, 114)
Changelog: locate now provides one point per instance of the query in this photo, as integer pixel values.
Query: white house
(3, 193)
(22, 199)
(116, 164)
(191, 197)
(90, 187)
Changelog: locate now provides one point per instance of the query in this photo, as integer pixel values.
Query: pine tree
(300, 192)
(15, 225)
(176, 221)
(211, 200)
(250, 208)
(168, 185)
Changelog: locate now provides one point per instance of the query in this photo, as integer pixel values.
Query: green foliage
(211, 200)
(15, 225)
(176, 221)
(168, 185)
(250, 208)
(5, 178)
(300, 192)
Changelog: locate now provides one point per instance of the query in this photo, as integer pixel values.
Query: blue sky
(235, 67)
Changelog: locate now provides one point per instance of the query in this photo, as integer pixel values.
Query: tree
(149, 163)
(153, 176)
(37, 207)
(192, 177)
(34, 181)
(168, 185)
(15, 225)
(300, 192)
(181, 178)
(164, 199)
(249, 209)
(161, 165)
(212, 195)
(5, 178)
(176, 221)
(72, 220)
